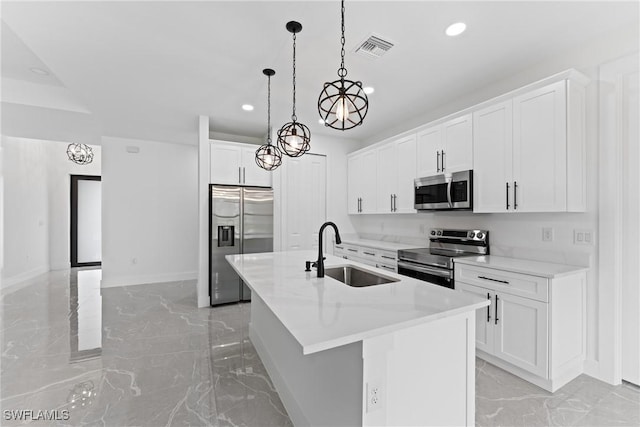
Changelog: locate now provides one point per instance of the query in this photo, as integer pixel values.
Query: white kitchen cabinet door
(429, 145)
(457, 145)
(406, 174)
(484, 318)
(521, 335)
(492, 156)
(354, 187)
(540, 150)
(369, 182)
(387, 166)
(226, 164)
(252, 174)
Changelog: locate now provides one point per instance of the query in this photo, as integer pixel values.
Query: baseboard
(111, 282)
(8, 282)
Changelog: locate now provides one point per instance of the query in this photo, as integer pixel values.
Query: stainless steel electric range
(435, 263)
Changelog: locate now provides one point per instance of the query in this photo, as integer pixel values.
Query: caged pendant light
(268, 156)
(342, 103)
(80, 154)
(294, 137)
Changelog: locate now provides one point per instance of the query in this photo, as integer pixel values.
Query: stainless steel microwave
(445, 193)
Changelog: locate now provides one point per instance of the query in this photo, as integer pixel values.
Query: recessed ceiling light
(39, 71)
(456, 29)
(368, 90)
(247, 107)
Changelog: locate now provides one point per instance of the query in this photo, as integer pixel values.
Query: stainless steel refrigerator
(240, 222)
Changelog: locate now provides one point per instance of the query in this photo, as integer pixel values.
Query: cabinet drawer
(339, 250)
(524, 285)
(368, 253)
(387, 257)
(351, 250)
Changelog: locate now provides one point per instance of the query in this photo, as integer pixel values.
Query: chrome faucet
(320, 261)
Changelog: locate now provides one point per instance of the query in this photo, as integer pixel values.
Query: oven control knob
(439, 232)
(433, 232)
(471, 235)
(480, 235)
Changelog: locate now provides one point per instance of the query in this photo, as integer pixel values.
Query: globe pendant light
(342, 103)
(268, 156)
(80, 154)
(294, 137)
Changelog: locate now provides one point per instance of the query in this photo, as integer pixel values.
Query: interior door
(304, 184)
(86, 220)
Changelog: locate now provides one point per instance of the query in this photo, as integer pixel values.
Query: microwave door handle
(449, 194)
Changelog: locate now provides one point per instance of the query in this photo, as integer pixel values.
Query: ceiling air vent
(374, 47)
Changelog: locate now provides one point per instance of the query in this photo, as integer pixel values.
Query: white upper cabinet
(492, 153)
(540, 150)
(429, 144)
(446, 147)
(406, 161)
(234, 164)
(362, 182)
(396, 174)
(529, 151)
(457, 150)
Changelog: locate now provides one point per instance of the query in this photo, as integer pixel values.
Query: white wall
(150, 212)
(37, 206)
(520, 235)
(26, 211)
(59, 184)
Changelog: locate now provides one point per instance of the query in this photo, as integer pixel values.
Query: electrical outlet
(374, 396)
(547, 234)
(583, 237)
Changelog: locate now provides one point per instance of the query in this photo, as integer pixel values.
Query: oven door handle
(423, 269)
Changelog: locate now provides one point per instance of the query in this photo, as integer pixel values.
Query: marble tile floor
(146, 356)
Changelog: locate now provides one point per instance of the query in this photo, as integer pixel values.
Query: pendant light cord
(294, 118)
(269, 110)
(342, 72)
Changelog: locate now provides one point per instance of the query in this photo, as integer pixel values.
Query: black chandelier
(294, 137)
(342, 103)
(81, 154)
(268, 156)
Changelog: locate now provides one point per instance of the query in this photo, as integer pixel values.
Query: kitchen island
(401, 353)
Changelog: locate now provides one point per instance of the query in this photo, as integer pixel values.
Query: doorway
(86, 221)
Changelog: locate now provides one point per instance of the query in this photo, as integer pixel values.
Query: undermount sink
(353, 276)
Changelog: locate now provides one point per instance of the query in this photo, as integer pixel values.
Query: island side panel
(425, 375)
(323, 388)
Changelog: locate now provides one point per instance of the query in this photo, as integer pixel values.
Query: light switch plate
(584, 237)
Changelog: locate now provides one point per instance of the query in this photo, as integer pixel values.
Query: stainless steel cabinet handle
(391, 196)
(388, 268)
(244, 176)
(496, 313)
(352, 250)
(515, 195)
(387, 257)
(488, 308)
(438, 161)
(493, 280)
(239, 175)
(443, 163)
(339, 247)
(369, 253)
(395, 202)
(507, 196)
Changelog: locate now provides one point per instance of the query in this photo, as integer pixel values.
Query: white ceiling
(148, 69)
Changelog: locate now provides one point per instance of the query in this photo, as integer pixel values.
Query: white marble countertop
(323, 313)
(524, 266)
(380, 244)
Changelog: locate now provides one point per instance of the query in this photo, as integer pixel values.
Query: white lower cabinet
(534, 327)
